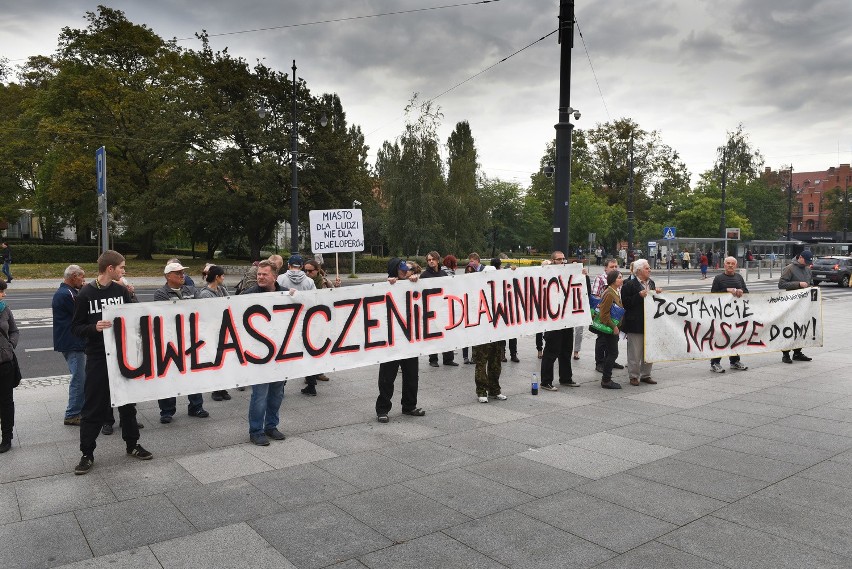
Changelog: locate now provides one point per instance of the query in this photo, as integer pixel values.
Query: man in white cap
(176, 290)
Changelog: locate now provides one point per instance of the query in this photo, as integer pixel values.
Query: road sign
(100, 159)
(732, 233)
(669, 233)
(593, 237)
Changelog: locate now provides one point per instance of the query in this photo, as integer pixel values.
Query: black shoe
(216, 396)
(383, 419)
(515, 359)
(140, 453)
(84, 466)
(310, 390)
(5, 446)
(599, 369)
(418, 412)
(106, 429)
(275, 434)
(433, 364)
(610, 385)
(800, 357)
(260, 440)
(165, 419)
(225, 395)
(201, 414)
(569, 383)
(617, 366)
(786, 359)
(451, 364)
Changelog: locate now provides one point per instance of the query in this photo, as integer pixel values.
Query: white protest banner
(165, 349)
(336, 230)
(698, 325)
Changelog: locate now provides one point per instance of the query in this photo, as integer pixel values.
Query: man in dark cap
(797, 275)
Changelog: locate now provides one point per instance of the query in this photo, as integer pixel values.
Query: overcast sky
(692, 70)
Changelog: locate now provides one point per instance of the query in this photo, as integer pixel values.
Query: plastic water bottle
(534, 387)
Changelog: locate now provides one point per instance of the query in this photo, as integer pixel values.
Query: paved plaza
(743, 470)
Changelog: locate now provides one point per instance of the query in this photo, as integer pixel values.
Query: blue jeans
(6, 271)
(168, 406)
(265, 402)
(77, 366)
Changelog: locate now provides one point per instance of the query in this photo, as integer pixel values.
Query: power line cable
(595, 75)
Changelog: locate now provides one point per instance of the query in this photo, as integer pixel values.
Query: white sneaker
(501, 397)
(739, 366)
(716, 368)
(483, 400)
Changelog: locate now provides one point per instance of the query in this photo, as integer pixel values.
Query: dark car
(834, 269)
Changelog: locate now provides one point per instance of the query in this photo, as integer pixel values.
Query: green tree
(461, 204)
(502, 208)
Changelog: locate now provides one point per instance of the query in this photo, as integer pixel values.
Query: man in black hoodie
(88, 323)
(398, 270)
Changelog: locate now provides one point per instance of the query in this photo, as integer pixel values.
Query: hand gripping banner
(698, 325)
(166, 349)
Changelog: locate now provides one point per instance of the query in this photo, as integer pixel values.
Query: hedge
(32, 253)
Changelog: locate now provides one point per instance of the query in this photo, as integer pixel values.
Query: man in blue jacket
(70, 346)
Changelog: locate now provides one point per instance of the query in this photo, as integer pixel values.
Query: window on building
(810, 225)
(810, 207)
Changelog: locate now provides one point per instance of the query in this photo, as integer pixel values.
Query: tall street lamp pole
(562, 195)
(630, 212)
(790, 205)
(294, 174)
(846, 211)
(724, 222)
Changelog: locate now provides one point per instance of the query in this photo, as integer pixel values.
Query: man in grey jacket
(295, 278)
(797, 275)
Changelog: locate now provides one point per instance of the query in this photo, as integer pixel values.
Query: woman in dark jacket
(611, 296)
(8, 343)
(215, 277)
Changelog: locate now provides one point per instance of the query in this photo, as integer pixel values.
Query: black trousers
(447, 357)
(7, 400)
(387, 376)
(600, 349)
(97, 410)
(558, 345)
(610, 342)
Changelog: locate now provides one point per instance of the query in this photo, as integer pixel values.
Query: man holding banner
(731, 282)
(634, 294)
(797, 275)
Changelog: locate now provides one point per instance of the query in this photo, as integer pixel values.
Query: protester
(611, 295)
(733, 283)
(7, 260)
(398, 270)
(175, 289)
(598, 287)
(434, 270)
(9, 371)
(703, 262)
(214, 276)
(797, 275)
(89, 323)
(314, 271)
(558, 345)
(70, 346)
(633, 295)
(187, 280)
(473, 266)
(266, 398)
(486, 374)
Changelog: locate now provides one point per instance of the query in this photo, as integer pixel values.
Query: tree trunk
(146, 246)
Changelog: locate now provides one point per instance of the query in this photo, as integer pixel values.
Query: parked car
(833, 269)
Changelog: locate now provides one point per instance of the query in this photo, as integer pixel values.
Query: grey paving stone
(740, 463)
(433, 551)
(621, 447)
(831, 413)
(318, 535)
(527, 433)
(830, 472)
(427, 456)
(696, 425)
(652, 498)
(136, 479)
(778, 450)
(43, 542)
(9, 511)
(701, 480)
(536, 405)
(598, 412)
(831, 498)
(290, 452)
(665, 436)
(641, 407)
(40, 497)
(526, 475)
(789, 397)
(580, 461)
(141, 521)
(400, 513)
(368, 470)
(489, 413)
(230, 547)
(447, 422)
(139, 558)
(300, 485)
(222, 503)
(818, 424)
(727, 416)
(607, 524)
(570, 424)
(661, 397)
(347, 439)
(468, 493)
(834, 443)
(739, 547)
(655, 555)
(32, 462)
(517, 540)
(481, 444)
(755, 408)
(404, 431)
(222, 464)
(794, 522)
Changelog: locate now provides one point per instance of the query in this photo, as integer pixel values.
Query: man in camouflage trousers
(487, 372)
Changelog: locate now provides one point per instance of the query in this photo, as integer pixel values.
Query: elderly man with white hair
(633, 295)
